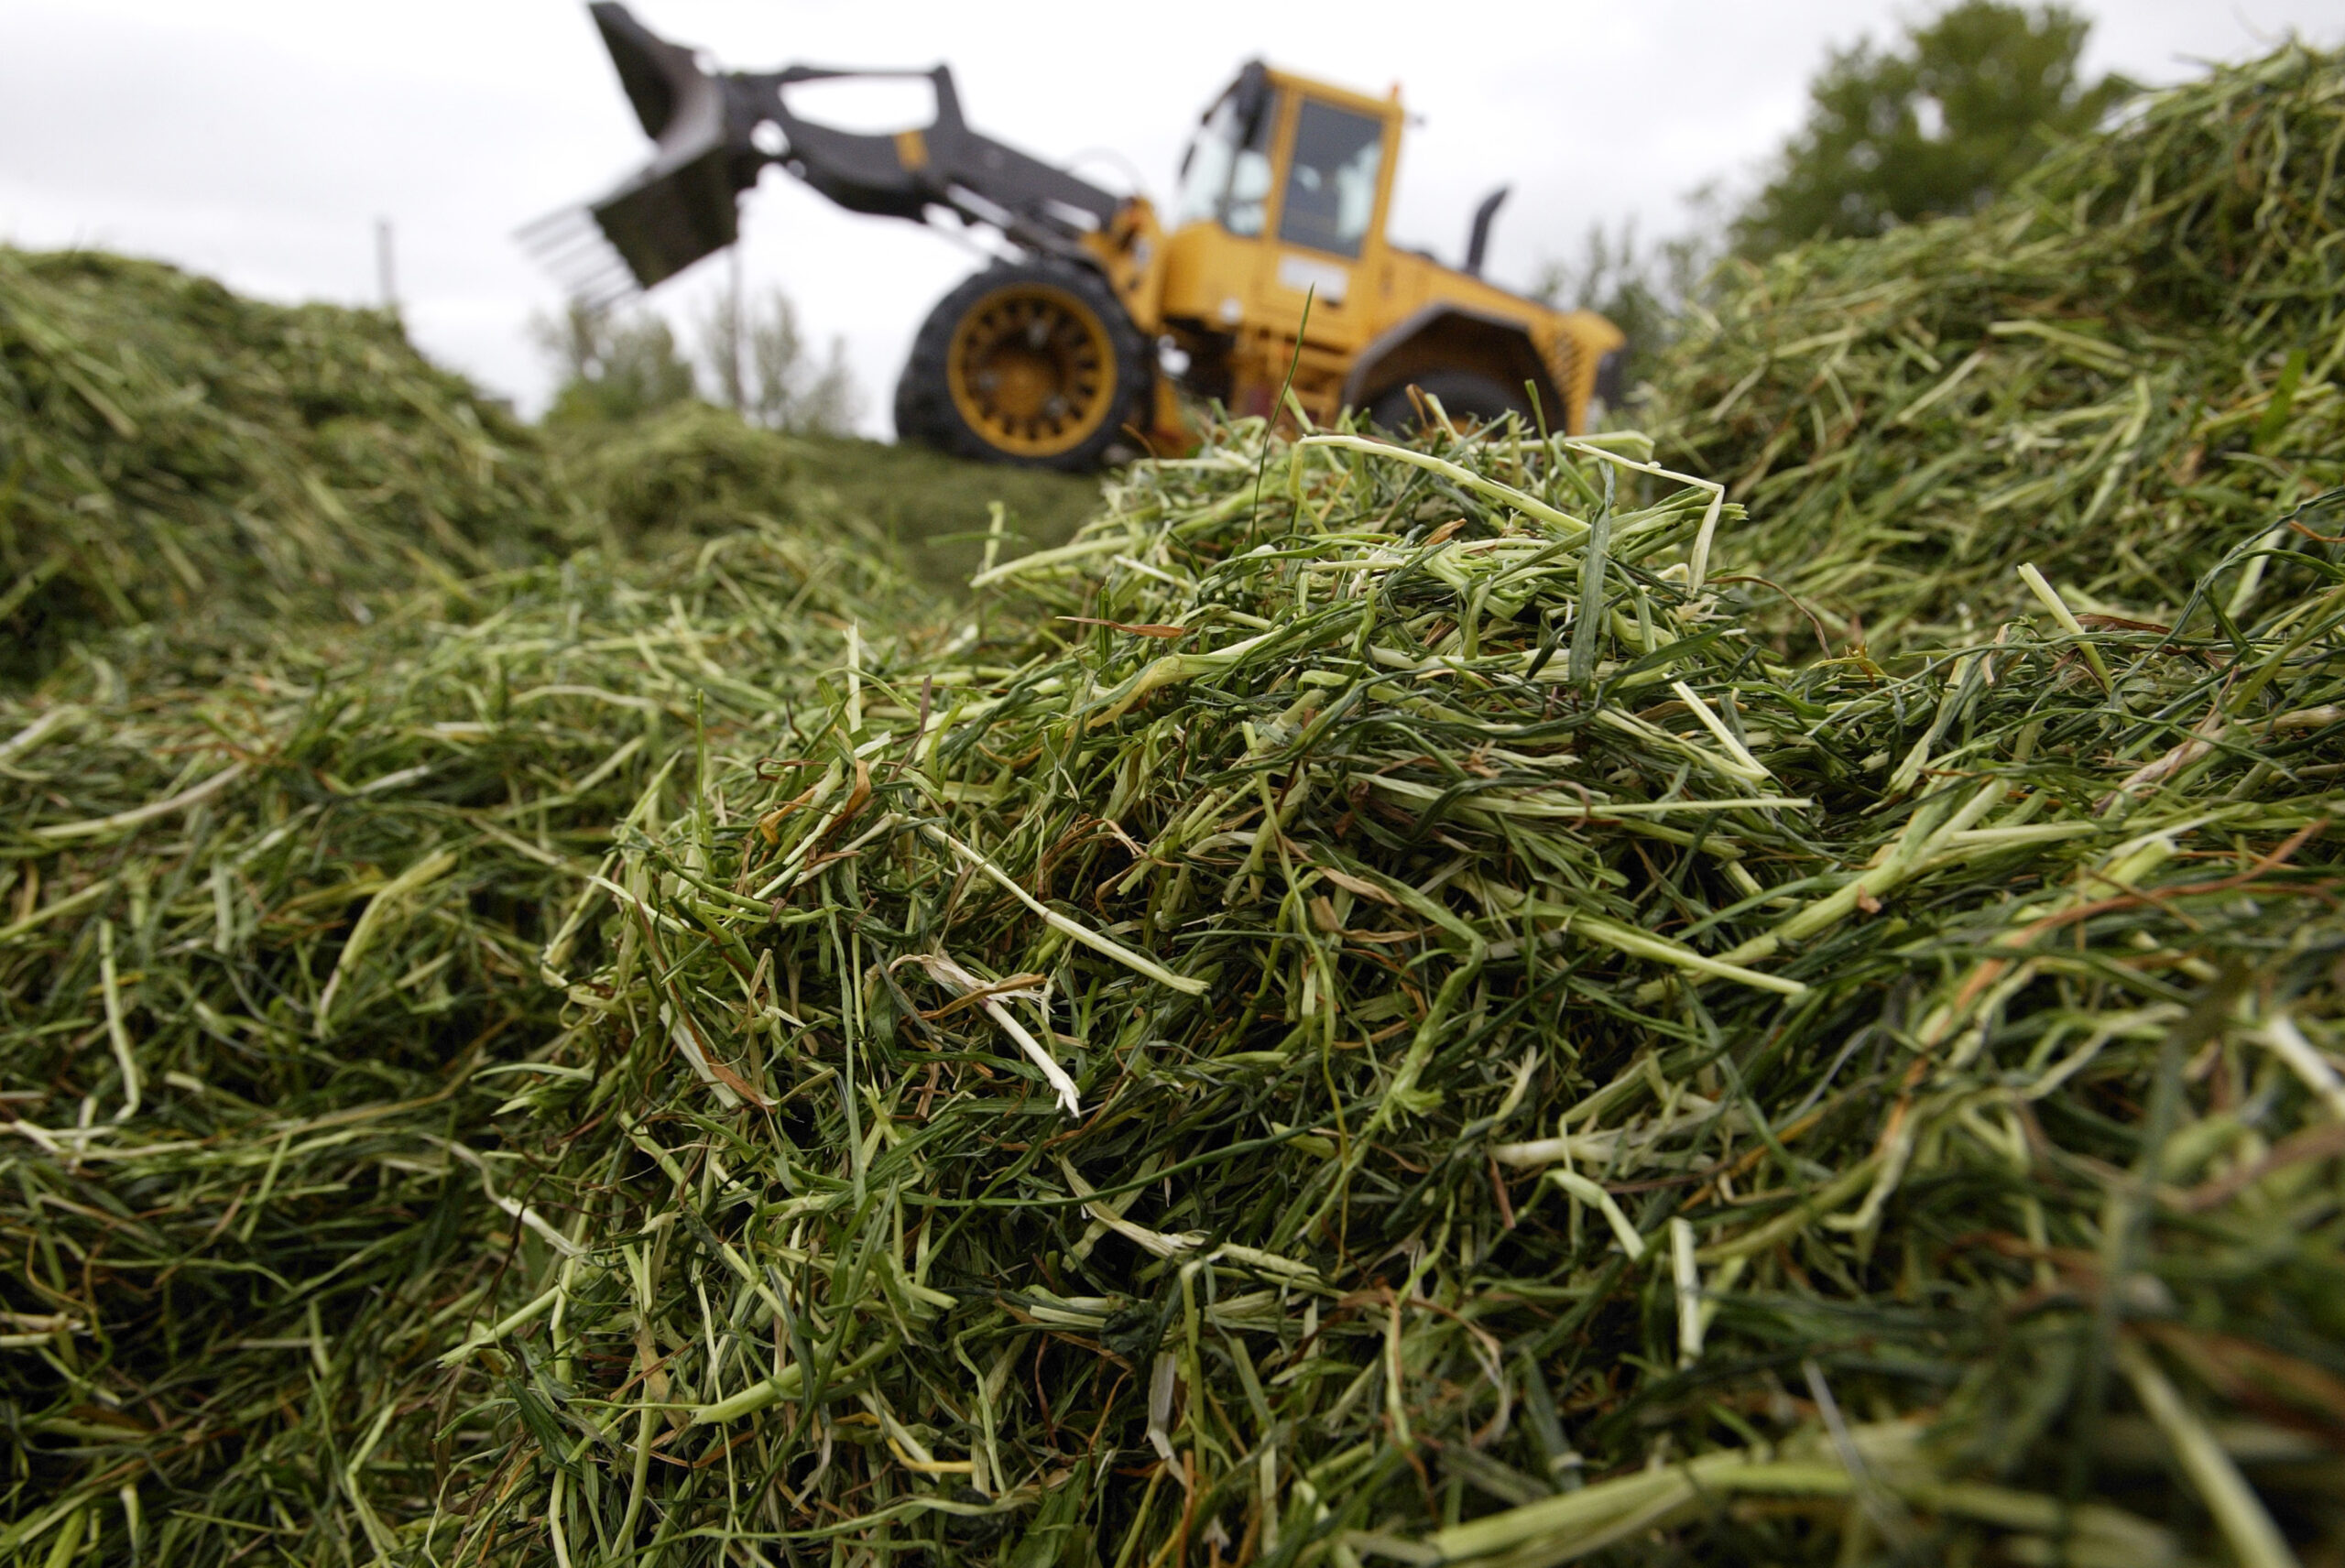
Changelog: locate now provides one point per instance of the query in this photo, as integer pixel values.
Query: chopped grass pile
(1375, 1020)
(1364, 1008)
(270, 964)
(701, 470)
(197, 469)
(168, 450)
(2108, 373)
(934, 508)
(691, 470)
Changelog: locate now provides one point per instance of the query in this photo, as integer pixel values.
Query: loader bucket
(666, 220)
(679, 207)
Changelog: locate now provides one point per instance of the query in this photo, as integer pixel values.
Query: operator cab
(1334, 164)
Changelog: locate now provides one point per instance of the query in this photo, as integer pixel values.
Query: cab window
(1226, 177)
(1331, 190)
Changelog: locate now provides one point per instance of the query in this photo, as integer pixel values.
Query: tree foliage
(763, 367)
(753, 359)
(1937, 126)
(612, 365)
(1640, 285)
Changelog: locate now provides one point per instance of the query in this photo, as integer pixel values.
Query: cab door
(1325, 222)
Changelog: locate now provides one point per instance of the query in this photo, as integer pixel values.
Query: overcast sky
(260, 141)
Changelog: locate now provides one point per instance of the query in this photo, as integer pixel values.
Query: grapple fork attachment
(680, 207)
(709, 147)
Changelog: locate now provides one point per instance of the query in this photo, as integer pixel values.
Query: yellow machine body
(1258, 248)
(1274, 261)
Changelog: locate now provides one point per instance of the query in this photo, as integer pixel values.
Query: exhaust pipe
(1478, 243)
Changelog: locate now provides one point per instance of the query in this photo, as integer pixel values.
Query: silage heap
(271, 960)
(173, 453)
(1371, 1020)
(1359, 1013)
(2109, 373)
(695, 470)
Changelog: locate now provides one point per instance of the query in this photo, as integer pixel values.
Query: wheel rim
(1031, 370)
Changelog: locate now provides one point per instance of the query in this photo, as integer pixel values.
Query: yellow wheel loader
(1082, 339)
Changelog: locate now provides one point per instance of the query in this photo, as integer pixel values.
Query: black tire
(1465, 395)
(1105, 363)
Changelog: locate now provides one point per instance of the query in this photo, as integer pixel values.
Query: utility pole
(740, 384)
(385, 281)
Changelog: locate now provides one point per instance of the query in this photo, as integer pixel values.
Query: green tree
(612, 365)
(1938, 126)
(1639, 287)
(764, 369)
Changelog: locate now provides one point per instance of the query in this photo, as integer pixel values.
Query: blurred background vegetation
(1935, 124)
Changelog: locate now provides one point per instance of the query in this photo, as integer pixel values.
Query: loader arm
(714, 136)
